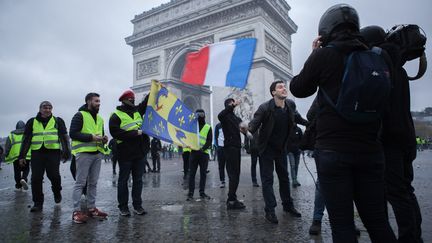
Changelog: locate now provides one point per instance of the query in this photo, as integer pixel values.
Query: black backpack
(365, 87)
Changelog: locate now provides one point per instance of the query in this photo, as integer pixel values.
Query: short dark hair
(273, 86)
(227, 101)
(200, 110)
(90, 96)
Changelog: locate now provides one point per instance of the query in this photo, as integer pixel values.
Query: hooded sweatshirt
(324, 68)
(19, 130)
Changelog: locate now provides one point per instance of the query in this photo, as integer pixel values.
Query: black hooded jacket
(324, 68)
(230, 127)
(62, 133)
(398, 127)
(77, 124)
(133, 146)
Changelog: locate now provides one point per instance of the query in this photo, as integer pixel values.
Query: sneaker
(79, 217)
(204, 196)
(36, 208)
(96, 213)
(125, 212)
(255, 184)
(315, 228)
(18, 189)
(139, 211)
(57, 197)
(296, 184)
(232, 205)
(293, 212)
(271, 217)
(222, 185)
(24, 184)
(189, 197)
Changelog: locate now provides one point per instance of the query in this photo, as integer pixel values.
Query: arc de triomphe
(164, 35)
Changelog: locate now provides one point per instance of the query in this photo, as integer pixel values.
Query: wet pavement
(171, 218)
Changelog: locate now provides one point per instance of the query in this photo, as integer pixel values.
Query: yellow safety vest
(16, 142)
(127, 123)
(203, 137)
(89, 127)
(48, 136)
(185, 150)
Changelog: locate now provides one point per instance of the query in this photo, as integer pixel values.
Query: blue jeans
(294, 160)
(319, 204)
(136, 167)
(270, 161)
(358, 177)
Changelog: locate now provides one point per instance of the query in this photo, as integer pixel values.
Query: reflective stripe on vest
(127, 123)
(185, 150)
(89, 127)
(16, 141)
(203, 136)
(47, 136)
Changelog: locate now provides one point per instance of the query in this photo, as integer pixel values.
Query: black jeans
(20, 172)
(185, 157)
(269, 161)
(197, 158)
(400, 193)
(114, 161)
(47, 160)
(358, 177)
(136, 167)
(254, 161)
(232, 155)
(221, 162)
(156, 161)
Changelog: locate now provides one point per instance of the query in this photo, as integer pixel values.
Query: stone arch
(191, 102)
(176, 64)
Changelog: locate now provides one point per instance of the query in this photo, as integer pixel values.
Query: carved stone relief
(245, 109)
(170, 52)
(248, 34)
(147, 67)
(204, 41)
(277, 50)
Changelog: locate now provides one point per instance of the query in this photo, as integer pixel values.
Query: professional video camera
(412, 43)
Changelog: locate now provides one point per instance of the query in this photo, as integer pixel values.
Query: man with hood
(232, 146)
(88, 139)
(349, 156)
(132, 147)
(46, 136)
(12, 149)
(200, 157)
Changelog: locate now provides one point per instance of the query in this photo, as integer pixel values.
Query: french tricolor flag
(223, 64)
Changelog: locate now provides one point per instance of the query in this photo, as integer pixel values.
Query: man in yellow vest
(46, 137)
(88, 140)
(12, 149)
(200, 157)
(132, 148)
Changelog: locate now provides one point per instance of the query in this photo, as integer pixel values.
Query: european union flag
(168, 119)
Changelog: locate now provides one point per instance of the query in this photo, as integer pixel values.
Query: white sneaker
(24, 184)
(18, 189)
(222, 185)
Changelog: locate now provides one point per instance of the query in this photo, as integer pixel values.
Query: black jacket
(217, 134)
(156, 146)
(293, 144)
(209, 138)
(133, 146)
(77, 124)
(324, 69)
(62, 134)
(398, 127)
(230, 127)
(264, 121)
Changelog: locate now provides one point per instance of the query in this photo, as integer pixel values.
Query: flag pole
(211, 107)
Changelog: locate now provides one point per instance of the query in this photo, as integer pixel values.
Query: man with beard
(132, 146)
(46, 137)
(88, 139)
(200, 157)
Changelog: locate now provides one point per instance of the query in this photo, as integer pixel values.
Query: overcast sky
(61, 50)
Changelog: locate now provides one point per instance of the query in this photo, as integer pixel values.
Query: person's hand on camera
(316, 43)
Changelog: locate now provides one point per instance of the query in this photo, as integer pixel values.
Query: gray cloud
(61, 50)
